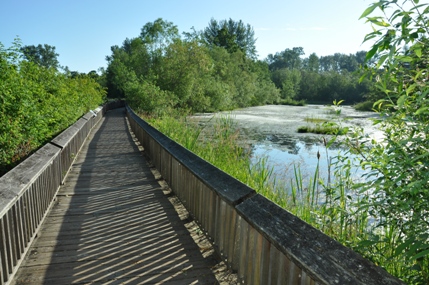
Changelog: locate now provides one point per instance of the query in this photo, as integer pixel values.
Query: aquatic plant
(336, 203)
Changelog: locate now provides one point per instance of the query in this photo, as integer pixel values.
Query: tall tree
(360, 57)
(43, 55)
(312, 63)
(231, 35)
(185, 67)
(157, 36)
(289, 58)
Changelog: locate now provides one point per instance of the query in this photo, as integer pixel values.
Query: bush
(36, 104)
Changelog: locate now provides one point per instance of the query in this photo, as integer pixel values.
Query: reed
(333, 204)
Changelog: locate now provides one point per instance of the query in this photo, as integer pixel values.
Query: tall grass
(217, 145)
(332, 204)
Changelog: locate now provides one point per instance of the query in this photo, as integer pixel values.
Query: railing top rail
(68, 134)
(229, 188)
(14, 183)
(323, 257)
(320, 256)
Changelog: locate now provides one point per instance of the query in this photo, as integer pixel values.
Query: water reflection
(271, 132)
(283, 154)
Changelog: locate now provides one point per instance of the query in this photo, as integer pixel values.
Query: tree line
(217, 68)
(210, 70)
(159, 71)
(319, 79)
(162, 72)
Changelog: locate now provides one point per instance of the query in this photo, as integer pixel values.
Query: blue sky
(84, 30)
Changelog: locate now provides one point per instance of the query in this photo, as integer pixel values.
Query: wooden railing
(27, 192)
(264, 243)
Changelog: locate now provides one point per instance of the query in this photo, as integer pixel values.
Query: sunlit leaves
(36, 103)
(369, 10)
(231, 35)
(401, 159)
(159, 72)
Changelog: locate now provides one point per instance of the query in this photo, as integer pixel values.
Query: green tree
(327, 78)
(310, 85)
(231, 35)
(361, 57)
(43, 55)
(159, 34)
(156, 37)
(145, 97)
(327, 63)
(116, 72)
(267, 92)
(288, 81)
(187, 75)
(311, 63)
(185, 67)
(289, 58)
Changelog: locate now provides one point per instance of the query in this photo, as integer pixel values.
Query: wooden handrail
(264, 243)
(28, 191)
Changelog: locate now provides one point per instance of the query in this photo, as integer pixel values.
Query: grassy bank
(334, 204)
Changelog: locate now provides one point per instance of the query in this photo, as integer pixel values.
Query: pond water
(271, 132)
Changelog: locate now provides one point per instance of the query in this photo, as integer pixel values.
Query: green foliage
(327, 203)
(185, 71)
(312, 63)
(288, 81)
(158, 72)
(214, 70)
(147, 98)
(319, 80)
(158, 35)
(42, 55)
(231, 35)
(36, 103)
(216, 144)
(398, 164)
(324, 125)
(339, 62)
(289, 59)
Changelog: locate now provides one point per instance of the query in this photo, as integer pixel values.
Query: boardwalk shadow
(112, 224)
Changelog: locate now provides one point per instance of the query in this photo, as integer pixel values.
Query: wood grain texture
(113, 224)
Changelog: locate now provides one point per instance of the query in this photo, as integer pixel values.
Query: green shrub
(36, 104)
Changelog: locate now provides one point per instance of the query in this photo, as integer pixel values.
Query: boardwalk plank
(113, 224)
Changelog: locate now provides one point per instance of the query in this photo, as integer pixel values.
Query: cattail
(318, 155)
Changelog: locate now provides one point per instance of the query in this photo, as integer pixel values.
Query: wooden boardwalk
(114, 223)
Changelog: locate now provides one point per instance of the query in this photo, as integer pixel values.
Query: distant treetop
(231, 35)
